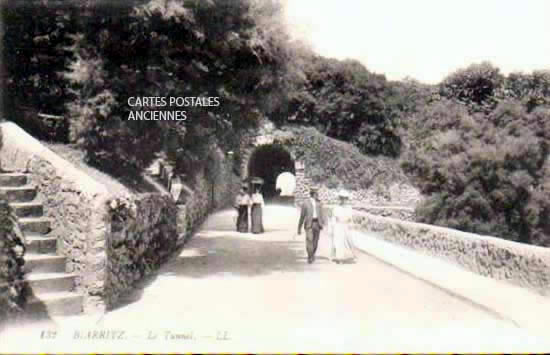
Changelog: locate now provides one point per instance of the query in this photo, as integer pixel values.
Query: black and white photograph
(274, 176)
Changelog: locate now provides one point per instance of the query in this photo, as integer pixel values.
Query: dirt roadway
(255, 293)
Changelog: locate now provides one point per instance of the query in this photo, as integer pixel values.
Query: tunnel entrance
(268, 162)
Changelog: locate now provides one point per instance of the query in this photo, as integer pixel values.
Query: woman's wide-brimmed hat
(344, 194)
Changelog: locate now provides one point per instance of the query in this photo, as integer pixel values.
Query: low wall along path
(522, 265)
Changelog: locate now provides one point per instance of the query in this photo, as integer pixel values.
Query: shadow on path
(211, 256)
(217, 250)
(222, 256)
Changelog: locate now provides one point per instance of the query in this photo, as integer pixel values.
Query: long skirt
(242, 219)
(257, 223)
(342, 243)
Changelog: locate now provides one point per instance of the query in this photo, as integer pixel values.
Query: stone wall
(75, 203)
(143, 234)
(209, 189)
(520, 264)
(107, 253)
(212, 188)
(303, 183)
(266, 134)
(208, 193)
(197, 201)
(226, 183)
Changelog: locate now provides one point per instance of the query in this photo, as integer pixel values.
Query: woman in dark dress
(257, 209)
(242, 204)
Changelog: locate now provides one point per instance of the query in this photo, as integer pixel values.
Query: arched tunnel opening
(268, 162)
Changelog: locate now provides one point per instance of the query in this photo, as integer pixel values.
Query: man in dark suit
(311, 218)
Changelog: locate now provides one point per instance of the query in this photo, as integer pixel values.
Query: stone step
(39, 225)
(50, 282)
(55, 304)
(27, 209)
(39, 244)
(18, 193)
(13, 179)
(44, 263)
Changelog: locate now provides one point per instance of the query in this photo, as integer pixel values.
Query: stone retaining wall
(197, 202)
(226, 183)
(75, 203)
(143, 234)
(520, 264)
(111, 236)
(206, 193)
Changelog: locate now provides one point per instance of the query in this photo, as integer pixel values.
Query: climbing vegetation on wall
(341, 164)
(12, 250)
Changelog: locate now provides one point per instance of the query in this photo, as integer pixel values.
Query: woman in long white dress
(342, 244)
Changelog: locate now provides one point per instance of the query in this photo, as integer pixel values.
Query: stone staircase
(52, 288)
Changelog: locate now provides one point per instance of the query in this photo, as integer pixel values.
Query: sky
(426, 39)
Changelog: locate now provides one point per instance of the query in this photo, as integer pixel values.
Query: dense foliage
(34, 40)
(12, 250)
(345, 101)
(158, 48)
(474, 87)
(237, 50)
(481, 154)
(476, 144)
(338, 164)
(172, 49)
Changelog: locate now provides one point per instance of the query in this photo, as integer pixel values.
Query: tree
(34, 37)
(474, 86)
(483, 173)
(532, 89)
(172, 49)
(345, 101)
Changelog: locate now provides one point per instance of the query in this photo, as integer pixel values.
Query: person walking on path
(341, 217)
(242, 204)
(311, 218)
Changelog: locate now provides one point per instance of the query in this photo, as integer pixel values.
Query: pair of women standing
(255, 204)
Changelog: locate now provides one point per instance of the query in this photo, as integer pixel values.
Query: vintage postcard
(274, 176)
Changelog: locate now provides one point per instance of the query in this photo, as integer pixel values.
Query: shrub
(475, 86)
(12, 251)
(532, 89)
(341, 164)
(484, 173)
